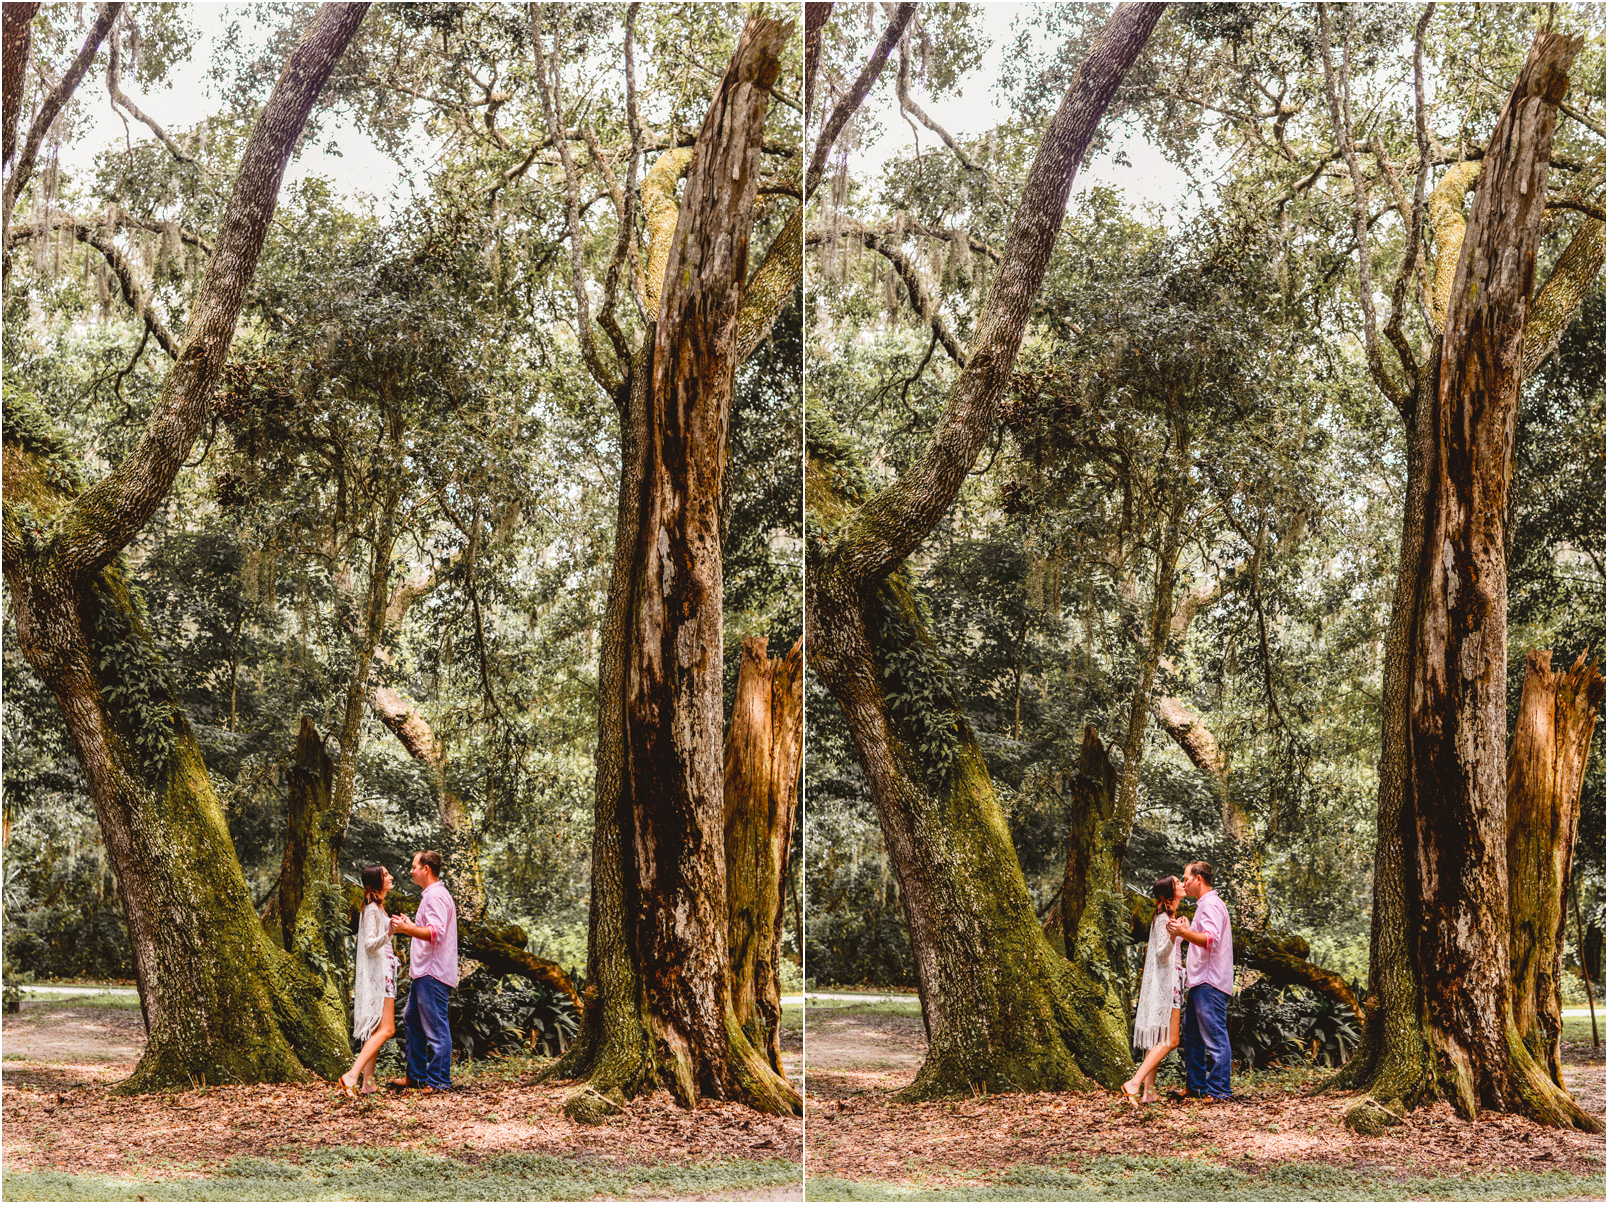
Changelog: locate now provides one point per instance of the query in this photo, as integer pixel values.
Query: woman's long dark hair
(1164, 891)
(374, 885)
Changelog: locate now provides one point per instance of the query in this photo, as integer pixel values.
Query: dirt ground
(59, 1060)
(858, 1059)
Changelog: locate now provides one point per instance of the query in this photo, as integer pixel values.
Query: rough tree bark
(660, 1007)
(764, 750)
(1181, 723)
(461, 855)
(1001, 1007)
(221, 1002)
(1440, 964)
(1546, 766)
(16, 24)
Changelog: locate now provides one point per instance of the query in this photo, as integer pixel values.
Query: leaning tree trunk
(764, 749)
(1445, 1021)
(1546, 766)
(222, 1003)
(1001, 1007)
(1244, 868)
(220, 1000)
(460, 851)
(658, 953)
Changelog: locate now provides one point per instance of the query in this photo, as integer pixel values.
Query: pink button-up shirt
(438, 957)
(1213, 963)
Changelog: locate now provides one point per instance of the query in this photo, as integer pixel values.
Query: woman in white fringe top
(1155, 1024)
(374, 985)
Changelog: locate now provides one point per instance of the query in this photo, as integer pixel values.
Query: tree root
(1371, 1118)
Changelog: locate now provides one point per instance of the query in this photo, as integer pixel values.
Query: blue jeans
(1207, 1055)
(429, 1038)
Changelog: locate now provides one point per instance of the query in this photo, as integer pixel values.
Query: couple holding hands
(1210, 971)
(433, 967)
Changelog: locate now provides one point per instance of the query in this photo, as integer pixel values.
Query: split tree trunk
(1001, 1007)
(221, 1002)
(663, 1010)
(1546, 766)
(1440, 962)
(764, 750)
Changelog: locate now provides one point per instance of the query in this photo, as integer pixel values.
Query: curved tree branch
(52, 105)
(608, 379)
(1339, 96)
(844, 109)
(890, 527)
(114, 89)
(103, 519)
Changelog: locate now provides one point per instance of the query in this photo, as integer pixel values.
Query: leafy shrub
(1278, 1026)
(489, 1016)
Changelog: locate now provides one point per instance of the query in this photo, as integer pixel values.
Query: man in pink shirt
(433, 965)
(1208, 1057)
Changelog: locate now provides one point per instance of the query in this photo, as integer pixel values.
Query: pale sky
(361, 169)
(1150, 180)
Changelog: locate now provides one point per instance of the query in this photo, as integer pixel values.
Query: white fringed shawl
(373, 960)
(1152, 1021)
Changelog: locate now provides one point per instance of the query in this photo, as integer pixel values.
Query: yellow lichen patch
(660, 213)
(1447, 220)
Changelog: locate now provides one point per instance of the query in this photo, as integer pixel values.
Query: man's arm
(425, 931)
(1206, 936)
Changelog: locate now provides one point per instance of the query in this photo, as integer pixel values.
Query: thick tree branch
(815, 16)
(104, 519)
(1558, 301)
(16, 26)
(844, 109)
(889, 527)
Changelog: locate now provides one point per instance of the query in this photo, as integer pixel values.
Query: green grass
(890, 1008)
(1578, 1029)
(1153, 1178)
(44, 996)
(377, 1174)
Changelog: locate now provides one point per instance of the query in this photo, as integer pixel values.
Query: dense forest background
(407, 494)
(1282, 529)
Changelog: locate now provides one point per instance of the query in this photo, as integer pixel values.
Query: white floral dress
(375, 981)
(1159, 989)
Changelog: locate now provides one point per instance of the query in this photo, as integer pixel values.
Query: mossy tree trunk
(1001, 1007)
(221, 1002)
(660, 1006)
(1440, 963)
(1546, 766)
(764, 751)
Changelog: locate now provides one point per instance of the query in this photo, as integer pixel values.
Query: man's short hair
(1203, 869)
(433, 860)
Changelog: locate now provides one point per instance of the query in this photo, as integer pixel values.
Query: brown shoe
(398, 1084)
